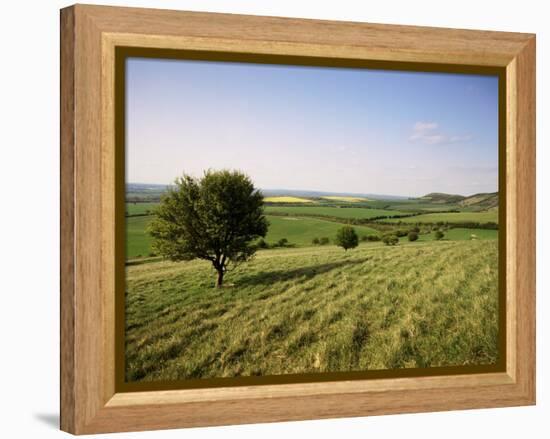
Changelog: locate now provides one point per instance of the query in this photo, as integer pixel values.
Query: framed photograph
(268, 219)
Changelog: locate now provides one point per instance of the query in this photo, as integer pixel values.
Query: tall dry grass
(315, 310)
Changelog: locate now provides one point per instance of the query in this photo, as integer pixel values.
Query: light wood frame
(89, 36)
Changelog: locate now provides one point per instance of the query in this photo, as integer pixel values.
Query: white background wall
(29, 219)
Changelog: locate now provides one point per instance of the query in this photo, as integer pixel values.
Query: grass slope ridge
(439, 197)
(451, 217)
(315, 310)
(481, 201)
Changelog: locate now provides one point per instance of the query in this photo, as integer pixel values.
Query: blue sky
(310, 128)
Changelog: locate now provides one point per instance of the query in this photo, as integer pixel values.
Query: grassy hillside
(438, 197)
(139, 208)
(481, 201)
(301, 231)
(456, 217)
(418, 206)
(138, 242)
(314, 310)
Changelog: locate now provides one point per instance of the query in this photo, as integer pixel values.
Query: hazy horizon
(353, 131)
(285, 190)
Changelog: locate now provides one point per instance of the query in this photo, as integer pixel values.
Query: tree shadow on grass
(302, 273)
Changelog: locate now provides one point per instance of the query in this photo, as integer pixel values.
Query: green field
(286, 222)
(339, 212)
(298, 231)
(345, 199)
(425, 207)
(452, 217)
(408, 206)
(287, 200)
(138, 241)
(139, 208)
(315, 309)
(301, 231)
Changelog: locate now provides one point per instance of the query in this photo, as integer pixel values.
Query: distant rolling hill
(481, 201)
(139, 192)
(441, 198)
(478, 202)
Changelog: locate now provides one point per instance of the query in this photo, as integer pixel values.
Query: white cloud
(425, 126)
(428, 134)
(456, 139)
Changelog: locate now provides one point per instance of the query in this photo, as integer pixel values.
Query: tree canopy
(215, 218)
(347, 238)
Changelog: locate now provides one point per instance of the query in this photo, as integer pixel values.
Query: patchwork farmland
(299, 220)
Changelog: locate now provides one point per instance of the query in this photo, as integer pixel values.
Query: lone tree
(347, 238)
(215, 218)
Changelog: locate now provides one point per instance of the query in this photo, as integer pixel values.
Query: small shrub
(390, 239)
(413, 236)
(324, 240)
(372, 238)
(283, 242)
(315, 241)
(439, 235)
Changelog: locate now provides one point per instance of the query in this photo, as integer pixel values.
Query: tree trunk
(219, 280)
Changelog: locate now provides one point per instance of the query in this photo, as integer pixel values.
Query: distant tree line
(146, 213)
(281, 243)
(143, 199)
(351, 221)
(320, 241)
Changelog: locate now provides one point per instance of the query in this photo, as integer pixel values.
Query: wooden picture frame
(90, 36)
